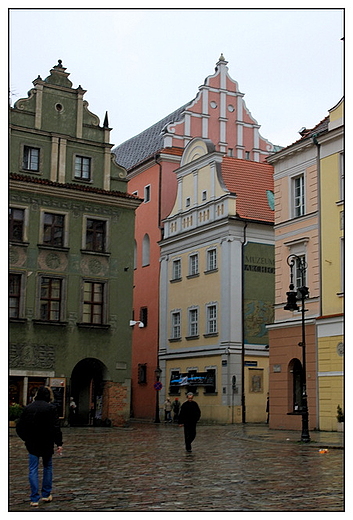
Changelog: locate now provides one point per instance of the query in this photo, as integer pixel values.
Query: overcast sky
(142, 64)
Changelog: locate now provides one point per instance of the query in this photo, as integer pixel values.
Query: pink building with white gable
(218, 112)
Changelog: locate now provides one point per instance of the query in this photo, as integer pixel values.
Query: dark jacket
(39, 427)
(190, 413)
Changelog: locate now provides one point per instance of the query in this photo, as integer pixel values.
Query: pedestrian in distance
(39, 428)
(176, 409)
(72, 411)
(189, 415)
(167, 410)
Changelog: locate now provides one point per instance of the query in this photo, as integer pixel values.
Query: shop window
(174, 388)
(210, 381)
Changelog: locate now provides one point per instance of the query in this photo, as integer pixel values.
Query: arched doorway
(295, 393)
(87, 388)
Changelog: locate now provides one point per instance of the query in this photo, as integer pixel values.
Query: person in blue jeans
(39, 427)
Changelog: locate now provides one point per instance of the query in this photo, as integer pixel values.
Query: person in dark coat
(39, 428)
(189, 414)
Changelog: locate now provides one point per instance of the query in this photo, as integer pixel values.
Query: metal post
(292, 306)
(305, 412)
(157, 374)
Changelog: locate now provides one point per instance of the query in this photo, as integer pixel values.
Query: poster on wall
(58, 386)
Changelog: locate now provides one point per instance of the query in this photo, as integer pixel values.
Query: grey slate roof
(147, 143)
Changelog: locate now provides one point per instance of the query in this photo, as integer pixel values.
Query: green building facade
(71, 232)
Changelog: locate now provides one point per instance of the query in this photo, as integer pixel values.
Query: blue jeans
(33, 464)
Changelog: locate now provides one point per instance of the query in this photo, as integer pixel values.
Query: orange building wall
(283, 348)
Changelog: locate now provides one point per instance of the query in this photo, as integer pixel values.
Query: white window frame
(193, 321)
(147, 193)
(30, 149)
(81, 177)
(176, 269)
(211, 259)
(211, 318)
(298, 195)
(193, 264)
(175, 325)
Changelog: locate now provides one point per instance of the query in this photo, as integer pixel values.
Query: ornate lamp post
(157, 386)
(292, 298)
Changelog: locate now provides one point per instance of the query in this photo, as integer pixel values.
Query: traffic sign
(158, 385)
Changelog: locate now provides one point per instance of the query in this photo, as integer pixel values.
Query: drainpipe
(243, 327)
(157, 159)
(317, 144)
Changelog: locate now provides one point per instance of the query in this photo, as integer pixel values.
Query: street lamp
(292, 298)
(157, 373)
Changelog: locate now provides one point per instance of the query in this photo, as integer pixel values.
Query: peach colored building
(218, 112)
(296, 233)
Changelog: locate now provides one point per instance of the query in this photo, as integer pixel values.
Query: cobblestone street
(144, 467)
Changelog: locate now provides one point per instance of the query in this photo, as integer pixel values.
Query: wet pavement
(144, 467)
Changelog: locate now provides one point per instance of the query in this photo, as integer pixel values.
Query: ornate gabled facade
(217, 283)
(218, 113)
(71, 255)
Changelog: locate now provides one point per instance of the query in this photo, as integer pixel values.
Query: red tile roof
(252, 182)
(70, 186)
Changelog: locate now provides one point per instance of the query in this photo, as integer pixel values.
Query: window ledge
(175, 280)
(174, 340)
(95, 253)
(193, 276)
(188, 338)
(55, 248)
(18, 243)
(18, 320)
(93, 325)
(211, 335)
(50, 322)
(210, 271)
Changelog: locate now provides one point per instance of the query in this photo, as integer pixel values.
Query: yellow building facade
(330, 325)
(216, 290)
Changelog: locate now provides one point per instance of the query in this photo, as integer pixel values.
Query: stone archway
(87, 389)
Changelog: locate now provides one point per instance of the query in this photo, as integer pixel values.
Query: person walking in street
(189, 415)
(167, 410)
(72, 412)
(176, 409)
(39, 428)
